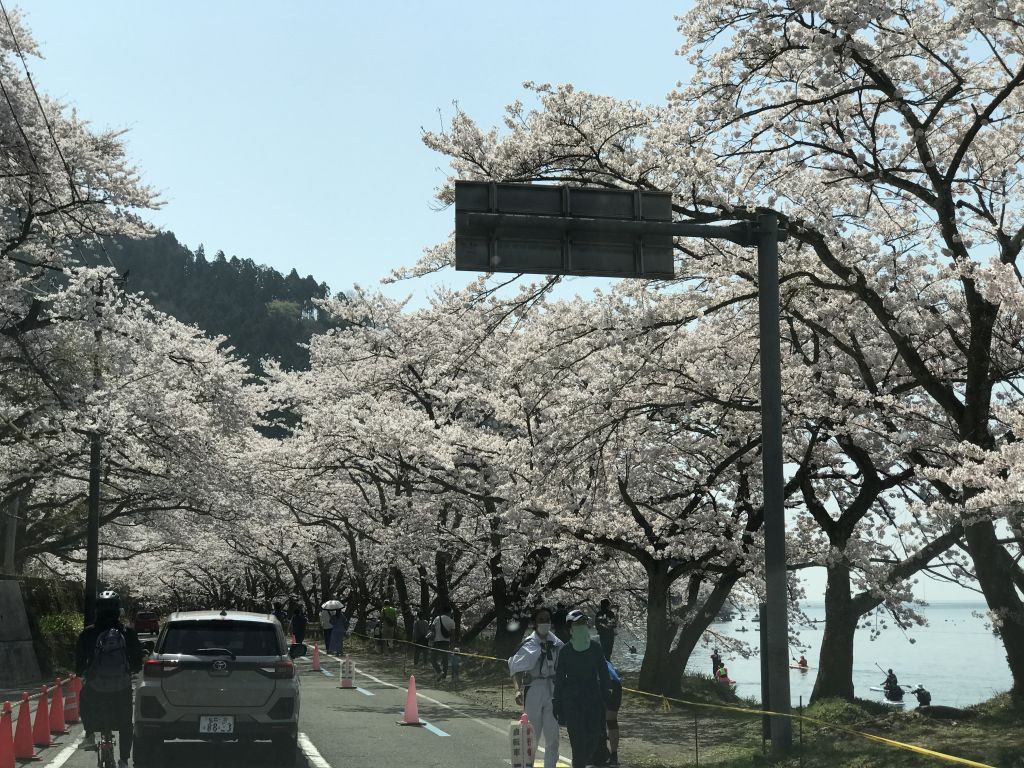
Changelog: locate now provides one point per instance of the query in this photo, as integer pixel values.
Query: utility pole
(92, 544)
(13, 510)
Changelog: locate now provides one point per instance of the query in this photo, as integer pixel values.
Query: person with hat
(582, 689)
(532, 667)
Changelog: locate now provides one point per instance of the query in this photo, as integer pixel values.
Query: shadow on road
(198, 754)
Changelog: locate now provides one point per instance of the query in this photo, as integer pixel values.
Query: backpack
(109, 671)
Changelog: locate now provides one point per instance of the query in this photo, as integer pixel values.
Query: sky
(290, 133)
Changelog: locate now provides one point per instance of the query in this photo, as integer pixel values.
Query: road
(355, 727)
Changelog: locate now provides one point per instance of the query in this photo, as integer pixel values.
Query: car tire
(286, 750)
(145, 750)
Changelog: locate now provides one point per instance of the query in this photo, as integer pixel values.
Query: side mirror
(296, 650)
(148, 646)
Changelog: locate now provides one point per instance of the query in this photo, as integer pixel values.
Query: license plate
(216, 723)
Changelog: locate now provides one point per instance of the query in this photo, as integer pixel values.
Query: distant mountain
(262, 312)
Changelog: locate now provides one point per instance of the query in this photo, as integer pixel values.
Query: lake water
(955, 656)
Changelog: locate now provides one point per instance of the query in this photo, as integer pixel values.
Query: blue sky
(289, 133)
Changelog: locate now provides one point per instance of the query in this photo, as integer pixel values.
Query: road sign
(560, 230)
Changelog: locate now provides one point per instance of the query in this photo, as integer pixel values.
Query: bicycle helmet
(108, 606)
(576, 615)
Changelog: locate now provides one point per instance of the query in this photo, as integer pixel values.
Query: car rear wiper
(213, 652)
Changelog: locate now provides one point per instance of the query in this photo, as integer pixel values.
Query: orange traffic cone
(57, 710)
(41, 727)
(6, 738)
(316, 658)
(71, 711)
(23, 748)
(412, 710)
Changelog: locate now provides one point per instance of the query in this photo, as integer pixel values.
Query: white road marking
(366, 692)
(64, 755)
(313, 755)
(433, 729)
(477, 720)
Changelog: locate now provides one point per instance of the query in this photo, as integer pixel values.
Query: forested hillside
(262, 312)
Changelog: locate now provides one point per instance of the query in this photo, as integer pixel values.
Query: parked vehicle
(147, 622)
(219, 676)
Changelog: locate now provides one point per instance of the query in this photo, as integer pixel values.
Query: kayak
(797, 666)
(885, 699)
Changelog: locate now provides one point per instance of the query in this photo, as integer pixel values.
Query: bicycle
(105, 750)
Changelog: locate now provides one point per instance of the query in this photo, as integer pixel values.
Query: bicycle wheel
(105, 753)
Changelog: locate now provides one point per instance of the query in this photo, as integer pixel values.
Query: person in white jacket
(533, 669)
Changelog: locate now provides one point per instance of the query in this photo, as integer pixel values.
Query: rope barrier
(667, 700)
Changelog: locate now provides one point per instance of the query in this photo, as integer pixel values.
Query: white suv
(218, 676)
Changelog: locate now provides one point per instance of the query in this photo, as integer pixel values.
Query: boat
(797, 666)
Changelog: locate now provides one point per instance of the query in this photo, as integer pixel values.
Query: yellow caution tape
(666, 707)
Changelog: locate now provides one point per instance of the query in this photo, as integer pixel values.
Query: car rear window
(242, 638)
(145, 615)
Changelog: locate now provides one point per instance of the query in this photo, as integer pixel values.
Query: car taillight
(279, 669)
(158, 668)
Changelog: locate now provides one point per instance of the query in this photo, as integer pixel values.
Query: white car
(218, 676)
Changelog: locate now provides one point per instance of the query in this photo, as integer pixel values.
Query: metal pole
(771, 458)
(696, 740)
(92, 537)
(92, 540)
(13, 510)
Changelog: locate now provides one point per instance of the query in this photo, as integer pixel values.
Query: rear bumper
(243, 730)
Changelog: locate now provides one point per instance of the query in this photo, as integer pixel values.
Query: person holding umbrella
(325, 620)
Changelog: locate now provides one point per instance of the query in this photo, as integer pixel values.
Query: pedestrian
(388, 626)
(924, 698)
(339, 628)
(456, 665)
(107, 654)
(279, 613)
(442, 629)
(299, 623)
(420, 631)
(716, 662)
(612, 715)
(325, 627)
(532, 667)
(606, 623)
(582, 688)
(558, 623)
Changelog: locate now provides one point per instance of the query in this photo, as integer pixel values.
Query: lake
(954, 656)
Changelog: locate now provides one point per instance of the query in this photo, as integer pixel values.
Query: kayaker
(802, 662)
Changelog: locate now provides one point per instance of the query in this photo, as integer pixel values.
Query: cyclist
(106, 656)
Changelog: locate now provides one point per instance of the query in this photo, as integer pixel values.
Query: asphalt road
(341, 727)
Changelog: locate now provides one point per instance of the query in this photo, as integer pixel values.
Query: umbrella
(332, 605)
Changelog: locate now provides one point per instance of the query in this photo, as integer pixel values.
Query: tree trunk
(991, 562)
(693, 629)
(653, 668)
(835, 661)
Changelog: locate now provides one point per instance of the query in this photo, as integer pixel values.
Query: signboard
(560, 230)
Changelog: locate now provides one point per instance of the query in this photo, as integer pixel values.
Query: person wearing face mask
(532, 667)
(582, 689)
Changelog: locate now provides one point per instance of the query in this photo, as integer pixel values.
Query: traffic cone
(6, 738)
(71, 710)
(57, 710)
(412, 710)
(41, 727)
(316, 658)
(23, 748)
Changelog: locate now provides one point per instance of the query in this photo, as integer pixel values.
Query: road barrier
(24, 749)
(41, 727)
(6, 738)
(57, 726)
